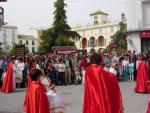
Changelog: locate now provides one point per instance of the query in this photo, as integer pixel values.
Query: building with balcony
(1, 16)
(97, 34)
(138, 25)
(8, 36)
(29, 41)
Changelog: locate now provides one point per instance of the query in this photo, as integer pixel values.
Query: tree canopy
(119, 38)
(60, 33)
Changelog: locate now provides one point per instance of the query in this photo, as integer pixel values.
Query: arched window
(101, 41)
(92, 42)
(84, 43)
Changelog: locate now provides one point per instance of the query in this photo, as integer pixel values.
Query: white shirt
(62, 67)
(20, 66)
(113, 71)
(125, 63)
(56, 66)
(37, 66)
(16, 62)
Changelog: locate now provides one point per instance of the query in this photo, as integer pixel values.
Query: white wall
(146, 10)
(29, 44)
(146, 14)
(106, 32)
(134, 42)
(134, 15)
(10, 35)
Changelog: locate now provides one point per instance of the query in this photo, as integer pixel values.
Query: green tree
(60, 24)
(60, 34)
(119, 38)
(1, 53)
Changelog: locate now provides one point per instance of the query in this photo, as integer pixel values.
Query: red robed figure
(83, 64)
(148, 110)
(142, 78)
(8, 85)
(36, 100)
(102, 93)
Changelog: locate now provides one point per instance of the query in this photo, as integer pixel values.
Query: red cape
(8, 86)
(83, 64)
(142, 78)
(102, 93)
(148, 110)
(36, 100)
(29, 80)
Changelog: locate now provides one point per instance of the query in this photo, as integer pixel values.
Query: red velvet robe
(102, 93)
(142, 78)
(148, 110)
(36, 100)
(8, 85)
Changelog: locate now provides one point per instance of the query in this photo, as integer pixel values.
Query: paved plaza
(73, 98)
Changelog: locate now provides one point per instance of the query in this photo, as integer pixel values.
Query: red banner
(145, 34)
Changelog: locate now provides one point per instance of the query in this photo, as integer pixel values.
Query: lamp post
(1, 16)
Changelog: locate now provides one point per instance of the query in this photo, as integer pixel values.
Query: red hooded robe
(8, 86)
(148, 110)
(102, 93)
(142, 78)
(36, 100)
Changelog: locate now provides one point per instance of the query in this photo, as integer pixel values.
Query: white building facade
(8, 36)
(138, 25)
(98, 33)
(29, 41)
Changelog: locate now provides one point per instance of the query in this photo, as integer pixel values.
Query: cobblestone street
(73, 98)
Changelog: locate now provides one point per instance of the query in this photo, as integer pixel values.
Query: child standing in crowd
(51, 71)
(107, 62)
(112, 69)
(125, 64)
(77, 76)
(62, 69)
(131, 70)
(3, 75)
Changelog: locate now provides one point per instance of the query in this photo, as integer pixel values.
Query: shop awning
(144, 34)
(113, 46)
(65, 49)
(66, 52)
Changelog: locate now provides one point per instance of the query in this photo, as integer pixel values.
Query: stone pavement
(73, 99)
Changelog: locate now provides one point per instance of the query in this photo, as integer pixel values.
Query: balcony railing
(144, 23)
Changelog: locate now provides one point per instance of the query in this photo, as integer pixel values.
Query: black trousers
(62, 78)
(1, 82)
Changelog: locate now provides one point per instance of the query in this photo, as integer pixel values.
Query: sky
(27, 14)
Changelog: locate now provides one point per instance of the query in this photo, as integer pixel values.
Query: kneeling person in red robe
(148, 110)
(36, 100)
(102, 93)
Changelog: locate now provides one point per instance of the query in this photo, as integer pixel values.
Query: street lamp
(1, 16)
